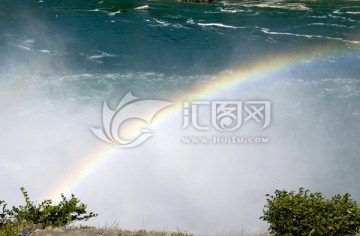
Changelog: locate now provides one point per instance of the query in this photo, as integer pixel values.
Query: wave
(190, 21)
(161, 23)
(353, 12)
(218, 25)
(157, 22)
(288, 6)
(96, 10)
(100, 56)
(234, 10)
(267, 31)
(319, 17)
(25, 44)
(348, 10)
(332, 25)
(45, 51)
(324, 24)
(277, 5)
(114, 13)
(109, 13)
(52, 53)
(23, 47)
(342, 18)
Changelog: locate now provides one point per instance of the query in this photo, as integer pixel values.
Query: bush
(47, 214)
(311, 214)
(3, 214)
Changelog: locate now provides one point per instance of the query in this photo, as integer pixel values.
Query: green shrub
(305, 213)
(3, 213)
(66, 212)
(45, 213)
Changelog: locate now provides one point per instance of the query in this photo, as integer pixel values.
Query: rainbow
(251, 71)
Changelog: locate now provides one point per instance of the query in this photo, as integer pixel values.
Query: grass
(163, 233)
(153, 233)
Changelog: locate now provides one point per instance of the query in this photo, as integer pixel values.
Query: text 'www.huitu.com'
(225, 140)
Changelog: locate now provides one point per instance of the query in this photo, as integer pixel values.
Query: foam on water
(267, 31)
(159, 23)
(331, 25)
(102, 55)
(288, 6)
(56, 72)
(229, 10)
(114, 13)
(218, 25)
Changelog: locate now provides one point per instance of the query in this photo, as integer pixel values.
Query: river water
(60, 60)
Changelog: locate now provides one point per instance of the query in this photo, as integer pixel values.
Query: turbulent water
(61, 59)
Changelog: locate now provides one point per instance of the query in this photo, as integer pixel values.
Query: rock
(29, 230)
(146, 7)
(39, 226)
(60, 230)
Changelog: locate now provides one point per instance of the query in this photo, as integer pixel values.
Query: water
(61, 59)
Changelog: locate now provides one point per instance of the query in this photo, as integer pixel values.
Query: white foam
(95, 10)
(164, 23)
(218, 25)
(53, 53)
(346, 12)
(104, 11)
(353, 12)
(114, 13)
(288, 6)
(159, 23)
(331, 25)
(190, 21)
(102, 55)
(343, 18)
(224, 3)
(319, 17)
(145, 7)
(267, 31)
(179, 26)
(29, 41)
(23, 47)
(45, 51)
(233, 10)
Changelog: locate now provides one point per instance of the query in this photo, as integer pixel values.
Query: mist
(52, 92)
